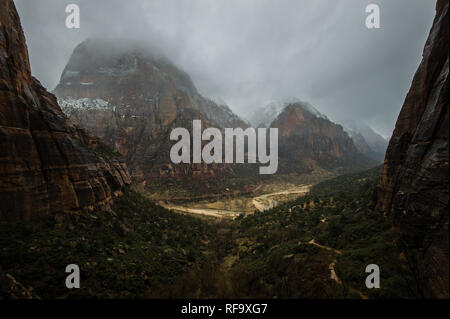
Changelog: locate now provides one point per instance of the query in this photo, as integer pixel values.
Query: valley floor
(233, 207)
(287, 242)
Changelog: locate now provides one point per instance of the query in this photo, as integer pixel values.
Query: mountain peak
(98, 64)
(265, 116)
(132, 97)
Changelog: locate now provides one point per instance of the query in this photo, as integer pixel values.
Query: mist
(251, 52)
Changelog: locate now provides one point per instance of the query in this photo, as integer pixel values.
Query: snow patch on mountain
(69, 104)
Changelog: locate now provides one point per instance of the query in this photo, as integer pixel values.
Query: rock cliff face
(132, 98)
(413, 191)
(308, 140)
(47, 165)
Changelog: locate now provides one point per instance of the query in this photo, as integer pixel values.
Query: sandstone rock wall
(413, 191)
(47, 165)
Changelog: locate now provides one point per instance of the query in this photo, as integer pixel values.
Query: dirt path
(261, 203)
(313, 242)
(332, 266)
(333, 274)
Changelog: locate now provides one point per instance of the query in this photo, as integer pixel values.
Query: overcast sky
(250, 52)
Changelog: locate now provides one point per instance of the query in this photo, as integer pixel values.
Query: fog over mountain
(251, 52)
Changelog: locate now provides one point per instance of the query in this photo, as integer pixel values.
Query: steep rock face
(132, 98)
(307, 138)
(413, 191)
(47, 165)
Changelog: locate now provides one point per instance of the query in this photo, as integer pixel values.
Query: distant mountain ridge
(101, 68)
(369, 142)
(366, 140)
(308, 140)
(132, 98)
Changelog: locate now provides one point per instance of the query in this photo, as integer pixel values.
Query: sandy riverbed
(259, 203)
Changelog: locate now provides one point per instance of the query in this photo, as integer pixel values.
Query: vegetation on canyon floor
(138, 249)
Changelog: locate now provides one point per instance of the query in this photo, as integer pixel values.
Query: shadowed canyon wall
(413, 191)
(47, 165)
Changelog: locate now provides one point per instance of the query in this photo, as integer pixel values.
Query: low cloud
(254, 51)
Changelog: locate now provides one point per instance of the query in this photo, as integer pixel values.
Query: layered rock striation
(413, 191)
(47, 164)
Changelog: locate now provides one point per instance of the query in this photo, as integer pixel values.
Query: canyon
(133, 97)
(82, 174)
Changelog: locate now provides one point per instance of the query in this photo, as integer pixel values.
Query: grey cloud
(249, 52)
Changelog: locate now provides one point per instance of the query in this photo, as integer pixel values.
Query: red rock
(145, 96)
(308, 141)
(47, 165)
(413, 191)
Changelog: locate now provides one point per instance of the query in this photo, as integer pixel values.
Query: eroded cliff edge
(47, 165)
(413, 191)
